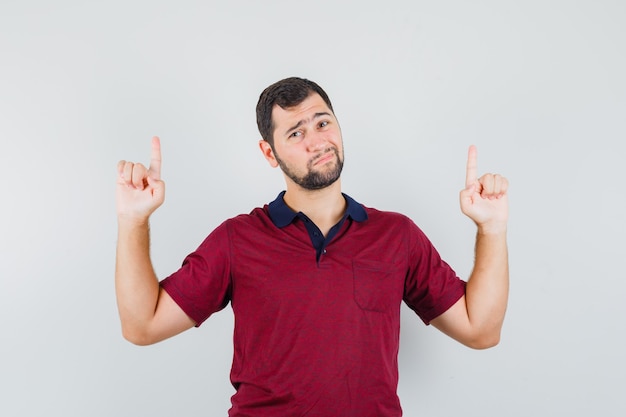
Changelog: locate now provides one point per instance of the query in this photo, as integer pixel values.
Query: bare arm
(147, 313)
(476, 319)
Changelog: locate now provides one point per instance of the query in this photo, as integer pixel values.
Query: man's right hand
(140, 190)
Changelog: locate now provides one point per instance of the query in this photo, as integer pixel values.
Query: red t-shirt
(315, 337)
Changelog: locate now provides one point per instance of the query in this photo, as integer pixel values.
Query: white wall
(539, 86)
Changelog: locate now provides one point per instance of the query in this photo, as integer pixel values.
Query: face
(307, 144)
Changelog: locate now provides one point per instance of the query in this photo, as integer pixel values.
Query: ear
(268, 153)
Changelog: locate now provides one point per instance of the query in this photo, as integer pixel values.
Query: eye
(323, 123)
(296, 134)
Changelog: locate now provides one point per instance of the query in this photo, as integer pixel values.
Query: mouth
(325, 157)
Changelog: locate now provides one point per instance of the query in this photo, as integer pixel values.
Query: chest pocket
(377, 286)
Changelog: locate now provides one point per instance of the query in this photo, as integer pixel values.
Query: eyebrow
(301, 122)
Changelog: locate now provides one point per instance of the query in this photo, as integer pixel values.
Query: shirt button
(324, 251)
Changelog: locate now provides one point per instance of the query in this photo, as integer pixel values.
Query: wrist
(492, 229)
(129, 221)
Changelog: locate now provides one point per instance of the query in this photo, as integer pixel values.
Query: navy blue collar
(282, 215)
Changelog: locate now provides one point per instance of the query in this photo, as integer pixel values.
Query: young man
(314, 278)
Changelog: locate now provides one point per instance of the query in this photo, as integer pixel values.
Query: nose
(316, 141)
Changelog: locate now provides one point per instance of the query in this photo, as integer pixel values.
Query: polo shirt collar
(282, 215)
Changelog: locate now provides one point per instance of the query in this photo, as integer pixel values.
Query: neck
(325, 207)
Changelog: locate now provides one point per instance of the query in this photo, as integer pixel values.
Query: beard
(315, 178)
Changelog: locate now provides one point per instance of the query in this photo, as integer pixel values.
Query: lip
(325, 158)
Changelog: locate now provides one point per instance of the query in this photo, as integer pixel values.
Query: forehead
(314, 103)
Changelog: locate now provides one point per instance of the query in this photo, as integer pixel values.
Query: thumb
(470, 188)
(158, 187)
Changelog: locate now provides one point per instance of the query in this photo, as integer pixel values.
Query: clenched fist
(485, 199)
(140, 190)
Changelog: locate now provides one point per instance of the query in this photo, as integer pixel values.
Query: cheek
(337, 139)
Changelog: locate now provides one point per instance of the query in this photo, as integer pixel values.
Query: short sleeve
(202, 285)
(431, 285)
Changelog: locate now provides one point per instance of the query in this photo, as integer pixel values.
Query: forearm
(136, 285)
(488, 287)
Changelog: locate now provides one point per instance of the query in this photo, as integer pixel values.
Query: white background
(539, 86)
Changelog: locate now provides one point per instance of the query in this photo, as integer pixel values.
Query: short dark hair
(285, 93)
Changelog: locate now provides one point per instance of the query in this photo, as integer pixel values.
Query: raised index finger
(155, 159)
(471, 175)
